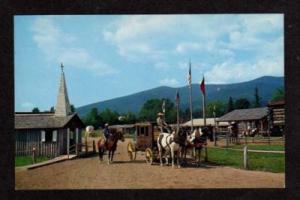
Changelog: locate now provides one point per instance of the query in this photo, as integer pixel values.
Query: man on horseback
(106, 133)
(163, 126)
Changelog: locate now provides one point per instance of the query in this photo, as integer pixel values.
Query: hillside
(266, 86)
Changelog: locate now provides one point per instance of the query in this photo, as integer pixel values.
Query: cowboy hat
(160, 113)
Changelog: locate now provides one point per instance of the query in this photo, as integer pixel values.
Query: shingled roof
(245, 114)
(41, 120)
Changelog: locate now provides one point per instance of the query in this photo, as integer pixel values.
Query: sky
(109, 56)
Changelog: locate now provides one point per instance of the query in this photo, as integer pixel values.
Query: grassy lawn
(271, 147)
(257, 161)
(27, 160)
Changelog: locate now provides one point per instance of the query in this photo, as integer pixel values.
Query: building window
(47, 136)
(142, 130)
(43, 136)
(54, 136)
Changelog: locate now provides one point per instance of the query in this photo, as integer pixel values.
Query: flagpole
(204, 105)
(191, 106)
(204, 117)
(177, 108)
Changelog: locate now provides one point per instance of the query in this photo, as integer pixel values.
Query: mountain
(266, 86)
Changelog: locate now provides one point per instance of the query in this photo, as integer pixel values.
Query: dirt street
(90, 173)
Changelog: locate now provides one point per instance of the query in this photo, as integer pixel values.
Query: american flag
(190, 75)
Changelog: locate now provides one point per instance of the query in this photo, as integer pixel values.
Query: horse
(171, 143)
(197, 140)
(110, 145)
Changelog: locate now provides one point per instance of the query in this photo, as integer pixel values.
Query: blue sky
(108, 56)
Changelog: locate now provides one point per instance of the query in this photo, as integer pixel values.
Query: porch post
(68, 142)
(261, 126)
(76, 141)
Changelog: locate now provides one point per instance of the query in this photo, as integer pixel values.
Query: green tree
(230, 106)
(52, 109)
(151, 107)
(109, 116)
(35, 110)
(278, 94)
(197, 113)
(93, 118)
(218, 107)
(257, 98)
(72, 108)
(242, 103)
(130, 118)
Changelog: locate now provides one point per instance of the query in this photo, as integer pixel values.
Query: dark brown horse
(110, 145)
(197, 140)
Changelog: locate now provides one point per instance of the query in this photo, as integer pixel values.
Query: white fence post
(245, 157)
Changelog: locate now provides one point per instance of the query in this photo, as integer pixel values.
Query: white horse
(167, 142)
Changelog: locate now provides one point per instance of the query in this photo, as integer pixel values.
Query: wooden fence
(245, 151)
(26, 140)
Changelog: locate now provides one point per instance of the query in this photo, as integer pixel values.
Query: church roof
(62, 107)
(43, 120)
(245, 114)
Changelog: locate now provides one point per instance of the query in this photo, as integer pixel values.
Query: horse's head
(205, 132)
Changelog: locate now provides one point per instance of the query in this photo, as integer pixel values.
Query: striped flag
(190, 75)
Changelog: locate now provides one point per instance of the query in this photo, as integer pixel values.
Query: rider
(106, 133)
(161, 123)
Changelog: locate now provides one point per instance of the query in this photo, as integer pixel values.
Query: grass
(27, 160)
(257, 161)
(271, 147)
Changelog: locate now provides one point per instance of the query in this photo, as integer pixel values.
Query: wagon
(146, 134)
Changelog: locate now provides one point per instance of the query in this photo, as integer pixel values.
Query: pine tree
(230, 105)
(257, 98)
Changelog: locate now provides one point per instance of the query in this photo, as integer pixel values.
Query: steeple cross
(62, 67)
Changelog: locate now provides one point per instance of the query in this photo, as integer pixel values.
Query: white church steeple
(62, 107)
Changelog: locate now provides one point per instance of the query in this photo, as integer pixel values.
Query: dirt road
(89, 173)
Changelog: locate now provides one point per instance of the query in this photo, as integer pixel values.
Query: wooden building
(253, 117)
(51, 134)
(277, 116)
(220, 127)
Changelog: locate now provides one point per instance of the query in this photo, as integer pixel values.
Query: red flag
(202, 86)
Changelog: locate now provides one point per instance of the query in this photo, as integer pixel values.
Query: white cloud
(60, 47)
(169, 82)
(232, 72)
(184, 47)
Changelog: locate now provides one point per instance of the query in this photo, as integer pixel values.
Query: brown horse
(110, 145)
(197, 140)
